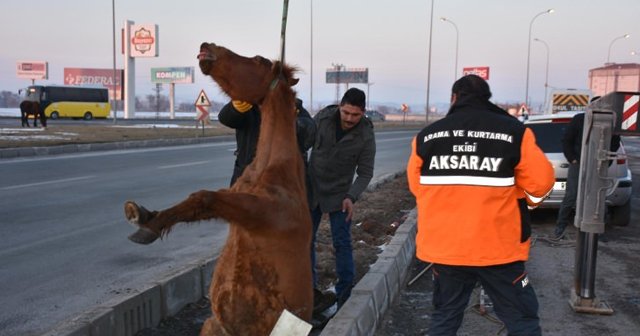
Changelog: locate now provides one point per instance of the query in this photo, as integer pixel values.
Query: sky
(390, 38)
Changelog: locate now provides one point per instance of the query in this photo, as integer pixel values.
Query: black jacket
(247, 126)
(572, 139)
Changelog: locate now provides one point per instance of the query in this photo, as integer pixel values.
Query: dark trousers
(514, 300)
(568, 206)
(341, 235)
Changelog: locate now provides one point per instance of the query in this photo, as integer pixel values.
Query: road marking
(185, 164)
(47, 182)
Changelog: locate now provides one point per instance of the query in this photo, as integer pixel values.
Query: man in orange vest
(474, 173)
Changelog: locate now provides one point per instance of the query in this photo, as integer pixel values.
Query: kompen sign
(177, 75)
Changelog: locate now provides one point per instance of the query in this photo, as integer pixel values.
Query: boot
(322, 300)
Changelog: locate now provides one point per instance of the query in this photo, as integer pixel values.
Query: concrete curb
(360, 315)
(18, 152)
(377, 290)
(128, 315)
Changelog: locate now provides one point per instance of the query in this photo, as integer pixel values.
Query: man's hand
(347, 206)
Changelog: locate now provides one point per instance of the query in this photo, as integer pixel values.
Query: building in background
(614, 77)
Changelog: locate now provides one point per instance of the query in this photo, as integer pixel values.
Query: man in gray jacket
(345, 146)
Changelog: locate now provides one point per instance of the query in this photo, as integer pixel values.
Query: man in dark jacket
(245, 119)
(345, 146)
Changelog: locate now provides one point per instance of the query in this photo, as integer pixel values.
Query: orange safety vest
(473, 173)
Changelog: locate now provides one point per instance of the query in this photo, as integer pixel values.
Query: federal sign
(95, 78)
(481, 71)
(32, 70)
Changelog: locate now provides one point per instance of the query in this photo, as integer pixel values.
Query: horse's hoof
(132, 213)
(143, 236)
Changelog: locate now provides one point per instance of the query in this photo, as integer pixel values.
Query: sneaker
(557, 237)
(322, 300)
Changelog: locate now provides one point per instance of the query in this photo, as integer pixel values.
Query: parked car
(549, 130)
(374, 115)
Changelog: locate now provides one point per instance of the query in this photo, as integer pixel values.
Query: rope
(285, 10)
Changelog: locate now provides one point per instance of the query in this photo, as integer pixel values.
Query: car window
(549, 136)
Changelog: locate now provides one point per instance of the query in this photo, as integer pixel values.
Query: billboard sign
(357, 75)
(32, 70)
(144, 40)
(95, 78)
(482, 71)
(178, 75)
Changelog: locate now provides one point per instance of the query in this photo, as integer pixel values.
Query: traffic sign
(203, 100)
(404, 108)
(524, 111)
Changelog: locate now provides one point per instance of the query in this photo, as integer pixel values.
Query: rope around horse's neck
(285, 10)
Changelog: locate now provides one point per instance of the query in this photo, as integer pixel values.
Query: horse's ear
(293, 81)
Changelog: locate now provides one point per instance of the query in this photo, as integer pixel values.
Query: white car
(549, 130)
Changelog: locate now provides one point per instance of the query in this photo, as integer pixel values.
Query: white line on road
(185, 164)
(47, 182)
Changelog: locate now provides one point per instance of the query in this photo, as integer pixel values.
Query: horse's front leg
(241, 208)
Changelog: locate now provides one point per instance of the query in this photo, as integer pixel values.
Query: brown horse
(28, 108)
(265, 264)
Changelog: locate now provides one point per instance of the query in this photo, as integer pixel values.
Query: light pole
(369, 96)
(311, 58)
(526, 95)
(611, 44)
(546, 76)
(455, 70)
(429, 63)
(113, 25)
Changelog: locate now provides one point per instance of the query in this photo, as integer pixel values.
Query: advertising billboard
(178, 75)
(482, 71)
(95, 78)
(32, 70)
(357, 75)
(144, 40)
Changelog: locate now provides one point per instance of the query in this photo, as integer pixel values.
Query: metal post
(455, 69)
(311, 59)
(429, 64)
(546, 76)
(526, 95)
(113, 24)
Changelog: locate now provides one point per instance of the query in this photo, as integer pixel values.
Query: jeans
(341, 236)
(568, 206)
(513, 297)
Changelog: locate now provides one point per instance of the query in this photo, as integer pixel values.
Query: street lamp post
(369, 96)
(611, 44)
(113, 26)
(546, 76)
(526, 95)
(455, 70)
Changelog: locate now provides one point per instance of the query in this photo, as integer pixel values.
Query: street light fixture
(546, 77)
(611, 44)
(548, 11)
(455, 70)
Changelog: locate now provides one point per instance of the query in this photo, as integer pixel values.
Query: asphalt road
(64, 246)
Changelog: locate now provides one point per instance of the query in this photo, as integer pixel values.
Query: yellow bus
(71, 101)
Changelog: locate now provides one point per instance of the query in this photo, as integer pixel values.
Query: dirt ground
(377, 216)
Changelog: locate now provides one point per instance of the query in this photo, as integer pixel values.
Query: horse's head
(242, 78)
